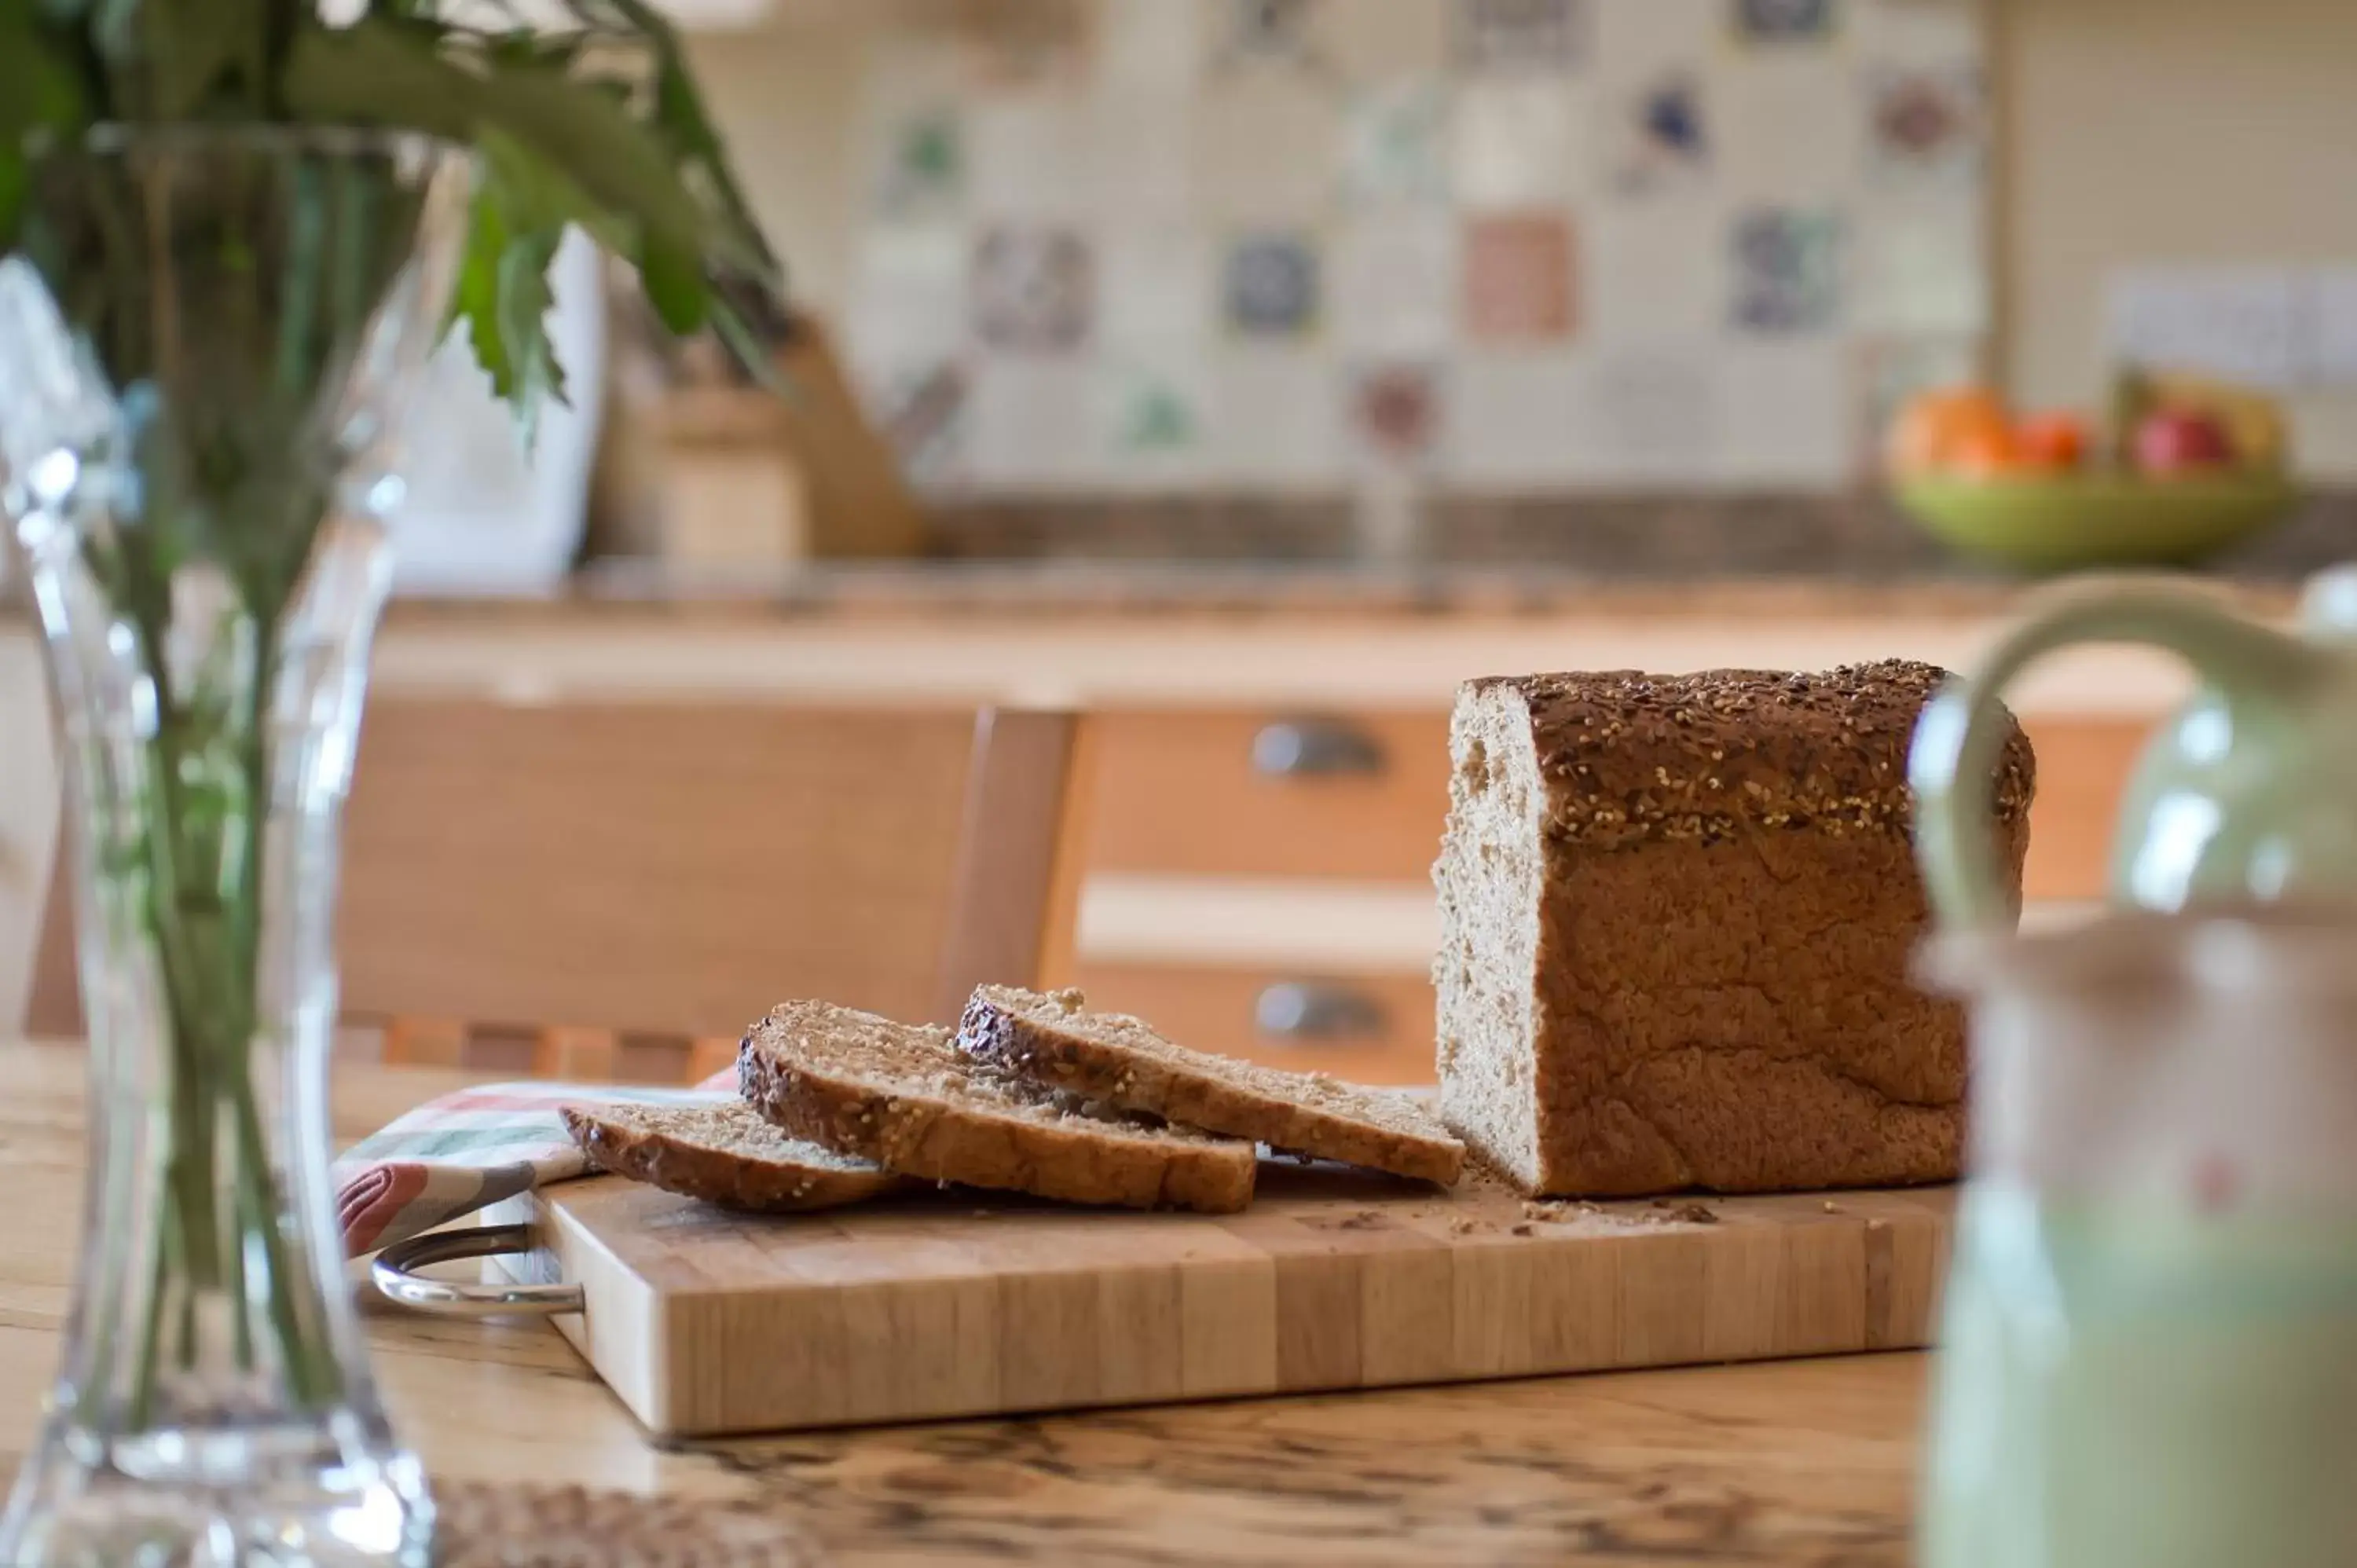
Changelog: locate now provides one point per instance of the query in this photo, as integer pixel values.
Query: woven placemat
(484, 1526)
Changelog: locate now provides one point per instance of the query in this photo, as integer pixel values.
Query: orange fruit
(1985, 451)
(2058, 442)
(1936, 429)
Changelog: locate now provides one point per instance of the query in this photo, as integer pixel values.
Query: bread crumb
(1554, 1211)
(1877, 1225)
(1526, 1228)
(1693, 1214)
(1832, 1207)
(1463, 1226)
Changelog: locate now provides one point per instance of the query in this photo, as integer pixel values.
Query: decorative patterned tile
(1520, 143)
(1788, 270)
(1154, 417)
(1271, 285)
(1787, 414)
(1786, 22)
(1396, 290)
(1661, 136)
(1515, 35)
(1154, 414)
(1396, 142)
(923, 172)
(1518, 283)
(1926, 125)
(1518, 421)
(1518, 244)
(1397, 411)
(1034, 289)
(911, 145)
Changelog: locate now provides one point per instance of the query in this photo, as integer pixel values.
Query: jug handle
(1952, 765)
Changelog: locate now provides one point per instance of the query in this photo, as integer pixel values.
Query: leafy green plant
(590, 119)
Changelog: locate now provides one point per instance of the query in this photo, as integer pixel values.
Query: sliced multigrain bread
(905, 1097)
(1052, 1039)
(723, 1154)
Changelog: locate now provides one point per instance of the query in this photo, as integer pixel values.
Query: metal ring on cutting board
(446, 1298)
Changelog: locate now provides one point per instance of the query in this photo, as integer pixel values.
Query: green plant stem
(207, 931)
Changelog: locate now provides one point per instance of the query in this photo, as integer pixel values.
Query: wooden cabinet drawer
(1364, 1028)
(1365, 795)
(1270, 794)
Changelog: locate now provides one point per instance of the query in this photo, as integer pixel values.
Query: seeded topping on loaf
(905, 1097)
(1629, 756)
(723, 1154)
(1054, 1039)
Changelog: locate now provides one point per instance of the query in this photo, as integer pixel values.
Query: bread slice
(1053, 1038)
(905, 1097)
(723, 1154)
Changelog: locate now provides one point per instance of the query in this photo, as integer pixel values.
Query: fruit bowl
(2060, 523)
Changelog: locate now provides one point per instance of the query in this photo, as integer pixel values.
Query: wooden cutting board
(952, 1303)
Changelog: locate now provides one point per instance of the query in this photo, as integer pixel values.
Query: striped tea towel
(468, 1150)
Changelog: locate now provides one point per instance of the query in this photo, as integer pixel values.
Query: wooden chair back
(616, 890)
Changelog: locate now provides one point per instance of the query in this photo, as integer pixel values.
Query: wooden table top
(1797, 1463)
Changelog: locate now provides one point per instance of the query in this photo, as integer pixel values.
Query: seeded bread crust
(722, 1153)
(905, 1097)
(1678, 915)
(1630, 756)
(1051, 1038)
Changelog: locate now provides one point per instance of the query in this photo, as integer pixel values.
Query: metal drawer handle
(1316, 749)
(1307, 1010)
(445, 1299)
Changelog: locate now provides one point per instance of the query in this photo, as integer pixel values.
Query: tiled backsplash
(1504, 246)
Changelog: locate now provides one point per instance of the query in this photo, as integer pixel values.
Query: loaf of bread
(1677, 917)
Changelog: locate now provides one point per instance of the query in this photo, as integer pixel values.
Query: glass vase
(203, 340)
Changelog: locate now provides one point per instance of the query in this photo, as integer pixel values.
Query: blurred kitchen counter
(1211, 599)
(1195, 635)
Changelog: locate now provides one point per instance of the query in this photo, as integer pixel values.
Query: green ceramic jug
(2248, 792)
